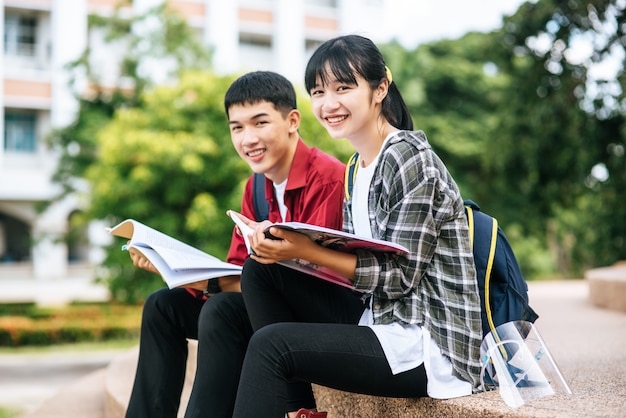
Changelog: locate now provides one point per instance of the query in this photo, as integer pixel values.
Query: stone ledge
(82, 399)
(338, 404)
(121, 375)
(489, 404)
(607, 286)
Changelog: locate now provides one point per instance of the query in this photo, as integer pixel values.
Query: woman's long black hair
(348, 54)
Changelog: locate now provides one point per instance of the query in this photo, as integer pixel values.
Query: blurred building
(42, 36)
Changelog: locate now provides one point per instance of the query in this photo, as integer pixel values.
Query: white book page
(341, 240)
(176, 278)
(139, 233)
(243, 228)
(176, 254)
(185, 260)
(299, 265)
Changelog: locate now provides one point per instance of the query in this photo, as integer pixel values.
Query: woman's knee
(271, 340)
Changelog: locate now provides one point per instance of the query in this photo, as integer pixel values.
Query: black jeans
(222, 329)
(306, 333)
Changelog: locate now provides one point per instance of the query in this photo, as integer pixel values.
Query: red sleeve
(321, 202)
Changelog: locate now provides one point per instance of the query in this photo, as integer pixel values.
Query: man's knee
(159, 303)
(222, 311)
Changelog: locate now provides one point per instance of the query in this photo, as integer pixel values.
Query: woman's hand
(279, 244)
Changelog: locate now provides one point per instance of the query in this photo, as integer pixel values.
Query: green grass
(119, 344)
(9, 412)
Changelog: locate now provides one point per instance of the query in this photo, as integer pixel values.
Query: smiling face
(345, 109)
(264, 137)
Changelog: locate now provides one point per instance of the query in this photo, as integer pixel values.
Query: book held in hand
(177, 262)
(326, 237)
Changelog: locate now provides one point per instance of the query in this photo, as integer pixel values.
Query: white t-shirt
(280, 197)
(405, 346)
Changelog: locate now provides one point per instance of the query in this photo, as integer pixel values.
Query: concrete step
(81, 399)
(121, 374)
(607, 286)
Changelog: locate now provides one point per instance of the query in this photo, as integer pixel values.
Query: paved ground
(26, 380)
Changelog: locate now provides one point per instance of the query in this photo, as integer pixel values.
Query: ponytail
(395, 109)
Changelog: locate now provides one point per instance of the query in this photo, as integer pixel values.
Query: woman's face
(346, 110)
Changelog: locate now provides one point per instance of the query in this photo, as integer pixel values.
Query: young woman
(416, 328)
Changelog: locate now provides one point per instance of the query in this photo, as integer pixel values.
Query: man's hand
(141, 262)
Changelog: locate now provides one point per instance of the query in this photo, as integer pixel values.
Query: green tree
(564, 122)
(167, 39)
(170, 163)
(529, 131)
(454, 100)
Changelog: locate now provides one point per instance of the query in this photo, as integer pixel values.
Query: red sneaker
(305, 413)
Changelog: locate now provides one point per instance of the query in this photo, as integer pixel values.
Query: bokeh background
(113, 110)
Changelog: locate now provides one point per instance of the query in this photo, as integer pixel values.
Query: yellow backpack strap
(470, 223)
(492, 254)
(351, 169)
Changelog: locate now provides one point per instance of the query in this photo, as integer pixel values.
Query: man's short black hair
(262, 86)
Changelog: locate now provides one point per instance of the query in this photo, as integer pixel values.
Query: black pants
(307, 332)
(222, 329)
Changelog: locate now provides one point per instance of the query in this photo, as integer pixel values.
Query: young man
(302, 184)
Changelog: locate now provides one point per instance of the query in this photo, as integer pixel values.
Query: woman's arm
(291, 245)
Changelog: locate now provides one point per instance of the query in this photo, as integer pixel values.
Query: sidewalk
(27, 380)
(587, 343)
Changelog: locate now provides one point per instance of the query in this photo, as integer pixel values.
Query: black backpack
(503, 291)
(259, 202)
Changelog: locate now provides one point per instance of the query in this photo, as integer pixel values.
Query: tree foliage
(170, 164)
(567, 123)
(530, 129)
(163, 40)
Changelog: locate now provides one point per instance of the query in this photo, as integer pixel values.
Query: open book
(177, 262)
(326, 237)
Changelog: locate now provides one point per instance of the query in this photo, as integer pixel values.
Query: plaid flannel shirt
(414, 201)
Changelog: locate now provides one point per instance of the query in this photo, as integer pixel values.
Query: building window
(19, 132)
(20, 34)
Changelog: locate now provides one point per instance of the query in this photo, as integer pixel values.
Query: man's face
(264, 138)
